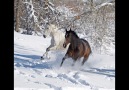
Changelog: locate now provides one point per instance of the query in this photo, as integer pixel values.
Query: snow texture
(31, 73)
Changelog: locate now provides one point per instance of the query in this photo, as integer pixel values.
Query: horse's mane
(74, 34)
(74, 42)
(53, 27)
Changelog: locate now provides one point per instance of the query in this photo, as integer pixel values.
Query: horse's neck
(74, 39)
(53, 31)
(57, 33)
(74, 42)
(53, 35)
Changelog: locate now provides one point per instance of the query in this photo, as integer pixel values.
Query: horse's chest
(72, 53)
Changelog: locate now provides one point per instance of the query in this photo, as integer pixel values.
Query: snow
(31, 73)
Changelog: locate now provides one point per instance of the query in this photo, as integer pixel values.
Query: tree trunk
(18, 16)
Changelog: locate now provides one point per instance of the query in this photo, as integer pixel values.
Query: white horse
(57, 39)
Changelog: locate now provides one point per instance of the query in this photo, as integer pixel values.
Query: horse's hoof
(42, 58)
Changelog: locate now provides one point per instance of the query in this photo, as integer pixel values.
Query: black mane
(74, 34)
(74, 40)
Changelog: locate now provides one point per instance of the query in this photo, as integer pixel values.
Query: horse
(78, 47)
(57, 39)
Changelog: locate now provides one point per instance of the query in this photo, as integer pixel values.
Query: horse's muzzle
(44, 36)
(64, 45)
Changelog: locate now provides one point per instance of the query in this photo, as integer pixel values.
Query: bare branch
(88, 12)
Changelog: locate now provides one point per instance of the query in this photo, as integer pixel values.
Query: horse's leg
(62, 61)
(74, 60)
(75, 57)
(54, 45)
(51, 45)
(53, 48)
(45, 54)
(66, 56)
(85, 59)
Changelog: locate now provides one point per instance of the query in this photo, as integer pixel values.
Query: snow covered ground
(30, 73)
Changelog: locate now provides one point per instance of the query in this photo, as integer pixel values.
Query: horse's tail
(90, 48)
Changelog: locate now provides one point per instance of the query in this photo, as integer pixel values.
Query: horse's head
(50, 30)
(67, 38)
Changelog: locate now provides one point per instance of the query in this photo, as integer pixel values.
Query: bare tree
(18, 4)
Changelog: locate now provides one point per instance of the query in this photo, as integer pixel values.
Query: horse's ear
(66, 29)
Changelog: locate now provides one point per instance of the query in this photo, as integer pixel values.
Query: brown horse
(78, 47)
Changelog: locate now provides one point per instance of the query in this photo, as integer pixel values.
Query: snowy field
(30, 73)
